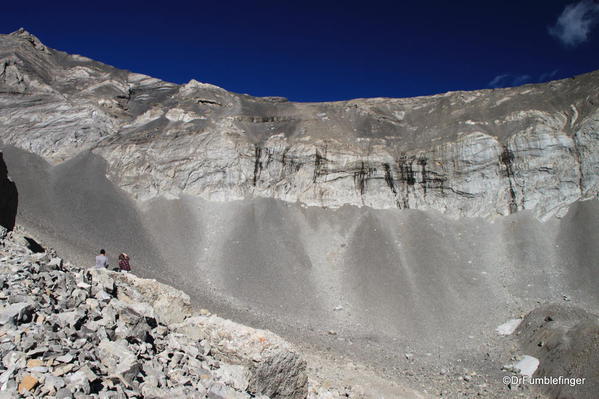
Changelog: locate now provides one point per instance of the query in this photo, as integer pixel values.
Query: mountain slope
(429, 220)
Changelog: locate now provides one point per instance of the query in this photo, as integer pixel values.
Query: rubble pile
(67, 332)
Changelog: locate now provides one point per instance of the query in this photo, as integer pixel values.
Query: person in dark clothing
(124, 262)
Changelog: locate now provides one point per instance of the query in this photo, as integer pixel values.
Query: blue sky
(318, 51)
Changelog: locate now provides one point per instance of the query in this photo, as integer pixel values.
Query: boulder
(135, 320)
(69, 319)
(16, 313)
(170, 305)
(55, 263)
(53, 383)
(116, 359)
(101, 281)
(78, 381)
(27, 384)
(275, 368)
(221, 391)
(235, 376)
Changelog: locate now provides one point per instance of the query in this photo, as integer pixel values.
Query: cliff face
(481, 153)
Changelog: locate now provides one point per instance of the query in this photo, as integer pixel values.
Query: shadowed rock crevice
(34, 246)
(9, 197)
(507, 159)
(361, 177)
(257, 163)
(320, 164)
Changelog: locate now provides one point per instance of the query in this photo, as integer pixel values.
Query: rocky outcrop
(8, 198)
(481, 153)
(274, 368)
(476, 175)
(69, 332)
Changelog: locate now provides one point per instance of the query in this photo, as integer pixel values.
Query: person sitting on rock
(101, 260)
(124, 262)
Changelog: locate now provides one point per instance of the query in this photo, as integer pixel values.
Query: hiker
(101, 260)
(124, 262)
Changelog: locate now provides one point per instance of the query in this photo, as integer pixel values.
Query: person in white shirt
(101, 260)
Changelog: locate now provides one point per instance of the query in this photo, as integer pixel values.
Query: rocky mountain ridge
(478, 154)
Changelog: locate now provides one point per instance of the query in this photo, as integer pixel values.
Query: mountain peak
(22, 33)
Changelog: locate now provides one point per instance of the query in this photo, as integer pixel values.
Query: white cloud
(498, 81)
(508, 80)
(548, 75)
(575, 22)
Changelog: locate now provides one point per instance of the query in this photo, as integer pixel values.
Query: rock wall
(476, 175)
(478, 154)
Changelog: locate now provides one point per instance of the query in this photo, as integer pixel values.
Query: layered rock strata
(481, 153)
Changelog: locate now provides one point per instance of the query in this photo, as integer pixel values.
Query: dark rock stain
(406, 171)
(362, 175)
(391, 184)
(257, 163)
(289, 164)
(430, 180)
(320, 161)
(269, 155)
(507, 160)
(389, 178)
(423, 181)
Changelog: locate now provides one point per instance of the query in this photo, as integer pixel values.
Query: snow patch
(526, 366)
(508, 327)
